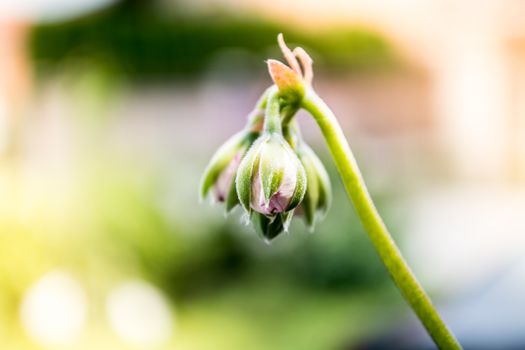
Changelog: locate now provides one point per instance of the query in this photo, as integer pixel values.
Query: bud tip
(283, 76)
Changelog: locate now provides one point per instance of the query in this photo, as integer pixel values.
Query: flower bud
(318, 195)
(220, 172)
(270, 179)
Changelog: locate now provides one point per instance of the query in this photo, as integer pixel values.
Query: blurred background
(110, 110)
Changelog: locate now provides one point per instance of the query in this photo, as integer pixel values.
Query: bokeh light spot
(139, 313)
(54, 309)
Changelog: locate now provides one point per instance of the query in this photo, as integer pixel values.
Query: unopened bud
(220, 173)
(318, 195)
(270, 179)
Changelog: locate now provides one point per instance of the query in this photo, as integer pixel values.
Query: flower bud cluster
(267, 167)
(270, 176)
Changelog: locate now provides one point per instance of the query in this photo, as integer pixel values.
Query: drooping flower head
(271, 183)
(272, 173)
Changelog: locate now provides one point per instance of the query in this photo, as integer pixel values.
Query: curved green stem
(272, 120)
(355, 186)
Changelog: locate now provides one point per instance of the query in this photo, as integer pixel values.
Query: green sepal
(219, 161)
(233, 199)
(325, 187)
(267, 228)
(311, 197)
(286, 218)
(243, 179)
(300, 186)
(318, 195)
(272, 166)
(271, 180)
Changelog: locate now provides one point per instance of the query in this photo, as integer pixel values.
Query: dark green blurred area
(136, 39)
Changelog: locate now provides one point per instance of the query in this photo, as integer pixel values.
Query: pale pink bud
(270, 179)
(224, 180)
(279, 201)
